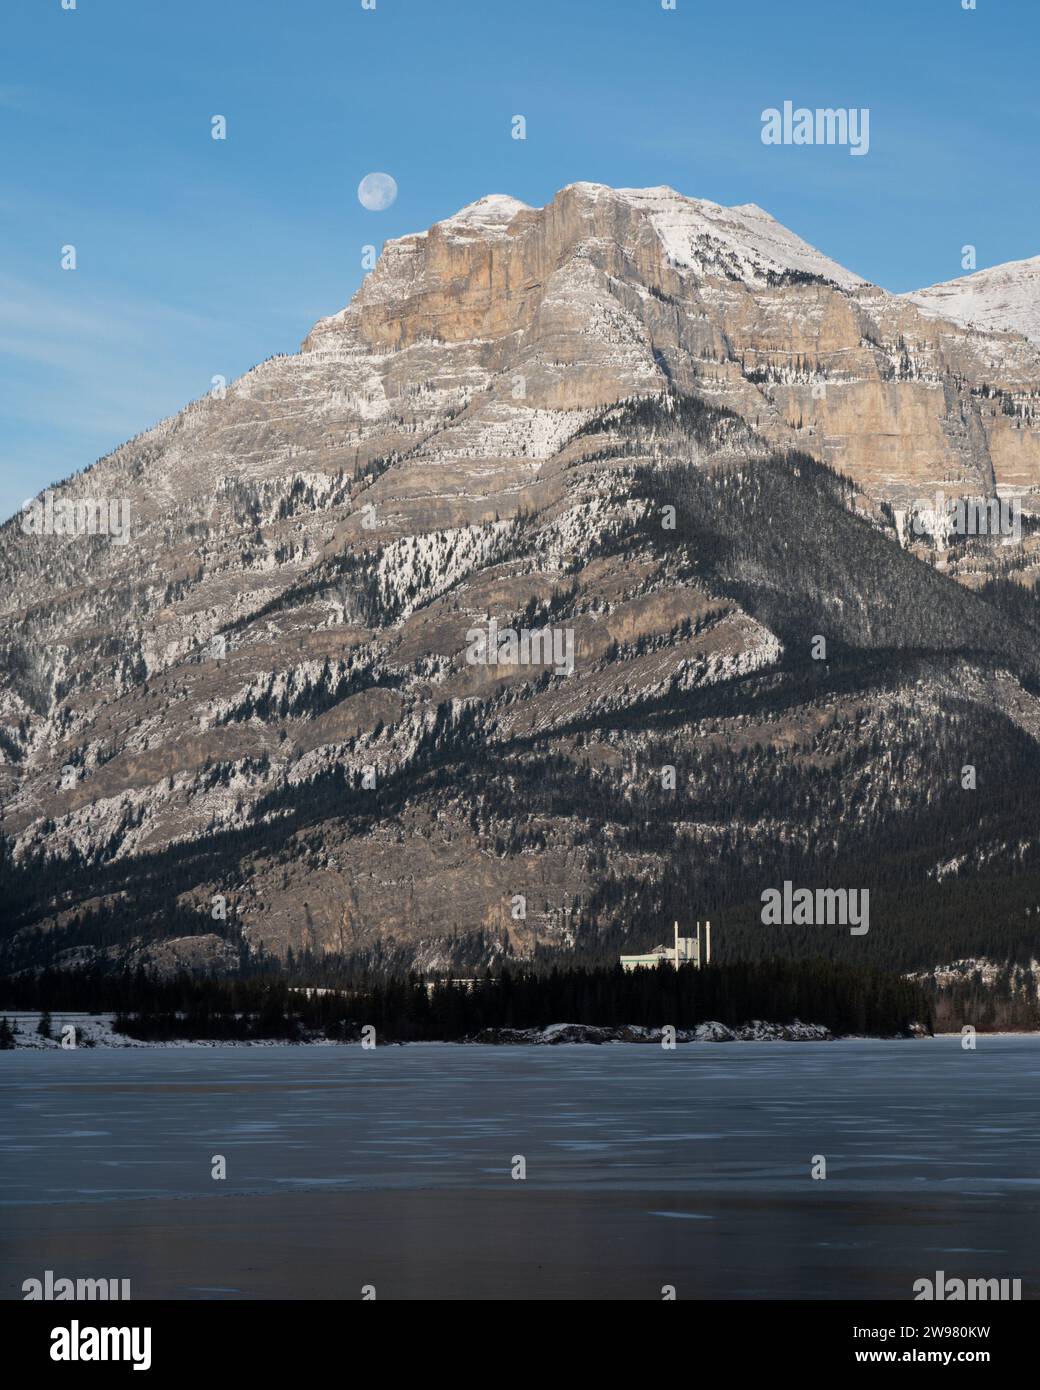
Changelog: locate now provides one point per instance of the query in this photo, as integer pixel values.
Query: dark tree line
(844, 998)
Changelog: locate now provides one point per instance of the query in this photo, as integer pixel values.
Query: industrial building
(686, 950)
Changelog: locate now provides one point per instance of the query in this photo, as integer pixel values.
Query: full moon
(377, 191)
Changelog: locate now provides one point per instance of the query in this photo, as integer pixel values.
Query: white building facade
(685, 950)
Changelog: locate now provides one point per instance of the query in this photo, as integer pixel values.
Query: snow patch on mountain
(743, 241)
(508, 432)
(1024, 978)
(487, 217)
(1005, 299)
(416, 569)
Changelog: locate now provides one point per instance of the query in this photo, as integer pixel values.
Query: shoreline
(95, 1030)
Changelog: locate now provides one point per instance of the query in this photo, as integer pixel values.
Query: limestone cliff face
(607, 292)
(472, 437)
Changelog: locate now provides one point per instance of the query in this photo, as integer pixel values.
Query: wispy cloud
(84, 370)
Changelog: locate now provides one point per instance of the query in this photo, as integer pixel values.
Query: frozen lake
(644, 1167)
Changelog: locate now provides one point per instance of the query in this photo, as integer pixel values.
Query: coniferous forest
(266, 1005)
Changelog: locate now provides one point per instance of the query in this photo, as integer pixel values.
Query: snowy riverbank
(97, 1030)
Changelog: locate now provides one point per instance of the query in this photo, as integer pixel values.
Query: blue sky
(199, 257)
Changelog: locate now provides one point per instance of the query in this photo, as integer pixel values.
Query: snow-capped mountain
(673, 434)
(742, 241)
(1003, 299)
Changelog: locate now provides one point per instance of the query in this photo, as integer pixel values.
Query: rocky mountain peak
(487, 215)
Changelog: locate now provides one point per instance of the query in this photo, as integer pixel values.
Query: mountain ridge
(1001, 298)
(493, 428)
